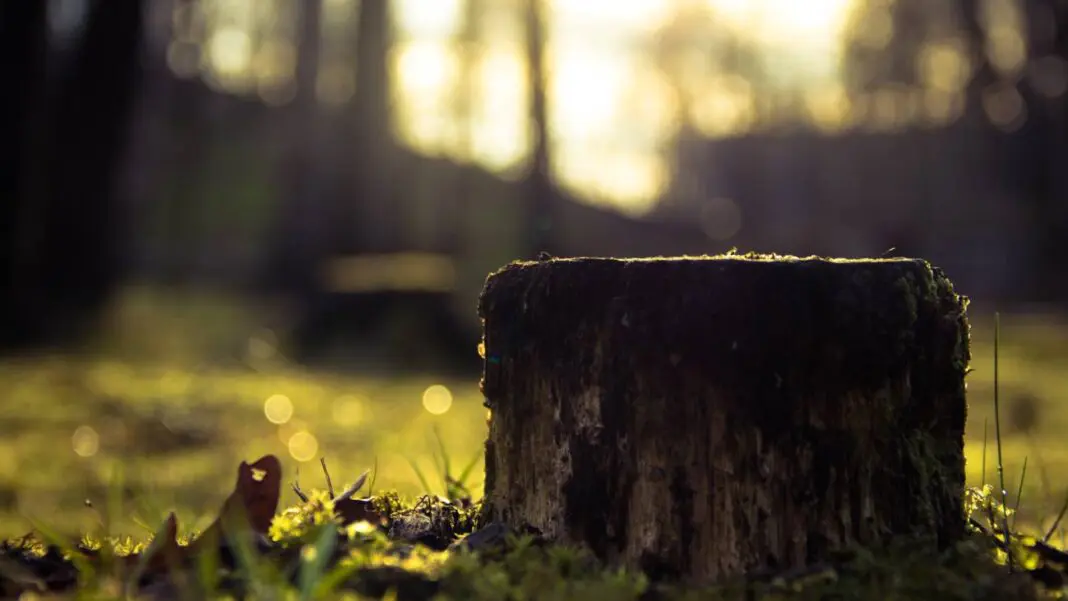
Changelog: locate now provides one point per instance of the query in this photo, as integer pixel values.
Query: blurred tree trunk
(303, 218)
(71, 253)
(65, 259)
(983, 73)
(1045, 148)
(539, 180)
(373, 161)
(24, 44)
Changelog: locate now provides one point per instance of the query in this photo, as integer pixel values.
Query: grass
(156, 437)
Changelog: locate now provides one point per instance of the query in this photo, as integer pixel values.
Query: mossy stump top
(704, 416)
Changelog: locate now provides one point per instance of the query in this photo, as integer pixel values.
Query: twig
(374, 475)
(296, 487)
(326, 472)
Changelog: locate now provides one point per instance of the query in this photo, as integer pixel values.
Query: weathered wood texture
(707, 416)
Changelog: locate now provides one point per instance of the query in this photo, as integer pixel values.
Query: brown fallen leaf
(162, 553)
(252, 504)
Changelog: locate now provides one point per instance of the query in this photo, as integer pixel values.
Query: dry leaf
(164, 551)
(252, 504)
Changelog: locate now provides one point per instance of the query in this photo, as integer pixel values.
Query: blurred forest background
(322, 186)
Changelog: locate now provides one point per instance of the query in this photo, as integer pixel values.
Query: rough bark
(704, 417)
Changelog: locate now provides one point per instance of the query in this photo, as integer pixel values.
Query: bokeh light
(278, 408)
(86, 441)
(437, 399)
(303, 446)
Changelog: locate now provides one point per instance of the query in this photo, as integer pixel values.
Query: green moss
(367, 564)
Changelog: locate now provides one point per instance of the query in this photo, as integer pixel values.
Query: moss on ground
(310, 555)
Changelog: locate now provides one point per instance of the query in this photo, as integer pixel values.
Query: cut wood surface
(702, 417)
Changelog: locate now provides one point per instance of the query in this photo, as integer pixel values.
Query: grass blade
(374, 474)
(444, 456)
(1019, 493)
(313, 561)
(466, 473)
(997, 438)
(1056, 522)
(982, 465)
(329, 482)
(418, 474)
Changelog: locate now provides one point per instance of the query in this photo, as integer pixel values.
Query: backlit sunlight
(612, 112)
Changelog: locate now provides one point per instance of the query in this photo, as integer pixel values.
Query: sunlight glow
(347, 411)
(278, 409)
(631, 16)
(500, 132)
(724, 106)
(86, 441)
(422, 19)
(629, 182)
(303, 446)
(604, 90)
(810, 22)
(426, 74)
(944, 66)
(437, 399)
(230, 51)
(583, 93)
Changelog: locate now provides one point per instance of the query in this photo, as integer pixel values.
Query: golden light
(1006, 49)
(85, 441)
(828, 108)
(230, 51)
(1005, 45)
(110, 378)
(724, 106)
(876, 29)
(583, 94)
(175, 383)
(425, 68)
(303, 446)
(288, 429)
(278, 409)
(437, 399)
(436, 18)
(426, 73)
(812, 21)
(638, 16)
(598, 95)
(944, 66)
(500, 133)
(347, 411)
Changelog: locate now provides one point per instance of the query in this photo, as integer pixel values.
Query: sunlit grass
(178, 432)
(62, 432)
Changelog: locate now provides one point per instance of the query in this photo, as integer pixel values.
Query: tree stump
(701, 417)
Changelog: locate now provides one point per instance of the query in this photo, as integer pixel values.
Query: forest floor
(92, 440)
